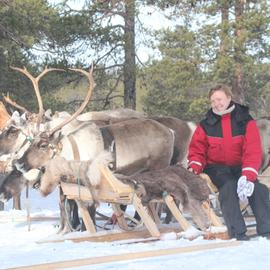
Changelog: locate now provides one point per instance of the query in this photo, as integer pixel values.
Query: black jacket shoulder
(239, 118)
(240, 114)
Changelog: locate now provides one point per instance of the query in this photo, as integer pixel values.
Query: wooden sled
(111, 190)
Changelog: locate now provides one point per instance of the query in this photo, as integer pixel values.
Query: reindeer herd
(45, 149)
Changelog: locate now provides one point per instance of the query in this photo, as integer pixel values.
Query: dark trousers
(225, 178)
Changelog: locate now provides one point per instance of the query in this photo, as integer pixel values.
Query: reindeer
(264, 128)
(187, 188)
(16, 135)
(131, 142)
(183, 131)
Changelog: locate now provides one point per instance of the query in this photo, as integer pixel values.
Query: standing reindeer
(130, 141)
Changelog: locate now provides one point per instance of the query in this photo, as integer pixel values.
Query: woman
(226, 145)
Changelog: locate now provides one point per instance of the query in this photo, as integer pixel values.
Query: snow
(21, 247)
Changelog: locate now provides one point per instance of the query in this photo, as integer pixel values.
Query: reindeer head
(47, 144)
(42, 149)
(21, 128)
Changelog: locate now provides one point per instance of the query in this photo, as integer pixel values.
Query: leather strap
(75, 148)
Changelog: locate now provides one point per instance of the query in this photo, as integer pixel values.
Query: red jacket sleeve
(252, 152)
(197, 150)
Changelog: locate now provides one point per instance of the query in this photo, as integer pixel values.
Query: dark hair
(221, 87)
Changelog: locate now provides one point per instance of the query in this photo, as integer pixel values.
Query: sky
(20, 247)
(149, 16)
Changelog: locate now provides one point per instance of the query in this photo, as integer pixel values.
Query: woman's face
(220, 101)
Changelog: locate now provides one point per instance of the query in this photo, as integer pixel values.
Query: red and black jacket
(231, 139)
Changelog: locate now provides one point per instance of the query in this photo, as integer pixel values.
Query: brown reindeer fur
(187, 188)
(183, 135)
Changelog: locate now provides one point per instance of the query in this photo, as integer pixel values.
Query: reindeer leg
(65, 226)
(75, 221)
(62, 210)
(17, 202)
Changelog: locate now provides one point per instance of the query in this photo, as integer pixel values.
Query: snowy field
(19, 246)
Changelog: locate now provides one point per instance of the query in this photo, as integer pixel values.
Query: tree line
(210, 42)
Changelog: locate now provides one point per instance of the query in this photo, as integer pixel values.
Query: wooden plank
(147, 220)
(215, 220)
(129, 256)
(76, 192)
(109, 181)
(111, 237)
(176, 213)
(152, 207)
(88, 222)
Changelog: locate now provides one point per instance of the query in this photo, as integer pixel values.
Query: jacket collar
(240, 112)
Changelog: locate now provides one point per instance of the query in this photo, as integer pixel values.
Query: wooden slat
(176, 213)
(76, 192)
(88, 222)
(152, 208)
(215, 220)
(147, 220)
(125, 257)
(110, 182)
(110, 237)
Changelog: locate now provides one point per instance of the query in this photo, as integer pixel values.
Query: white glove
(245, 188)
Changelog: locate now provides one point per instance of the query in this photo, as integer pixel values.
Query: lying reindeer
(187, 188)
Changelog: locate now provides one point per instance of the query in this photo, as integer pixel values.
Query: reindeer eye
(12, 131)
(43, 145)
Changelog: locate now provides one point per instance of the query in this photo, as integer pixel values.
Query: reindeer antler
(8, 100)
(92, 85)
(35, 81)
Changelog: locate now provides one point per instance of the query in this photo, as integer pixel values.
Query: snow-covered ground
(19, 246)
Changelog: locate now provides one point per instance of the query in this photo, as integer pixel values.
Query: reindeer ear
(15, 115)
(24, 117)
(17, 119)
(56, 137)
(48, 114)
